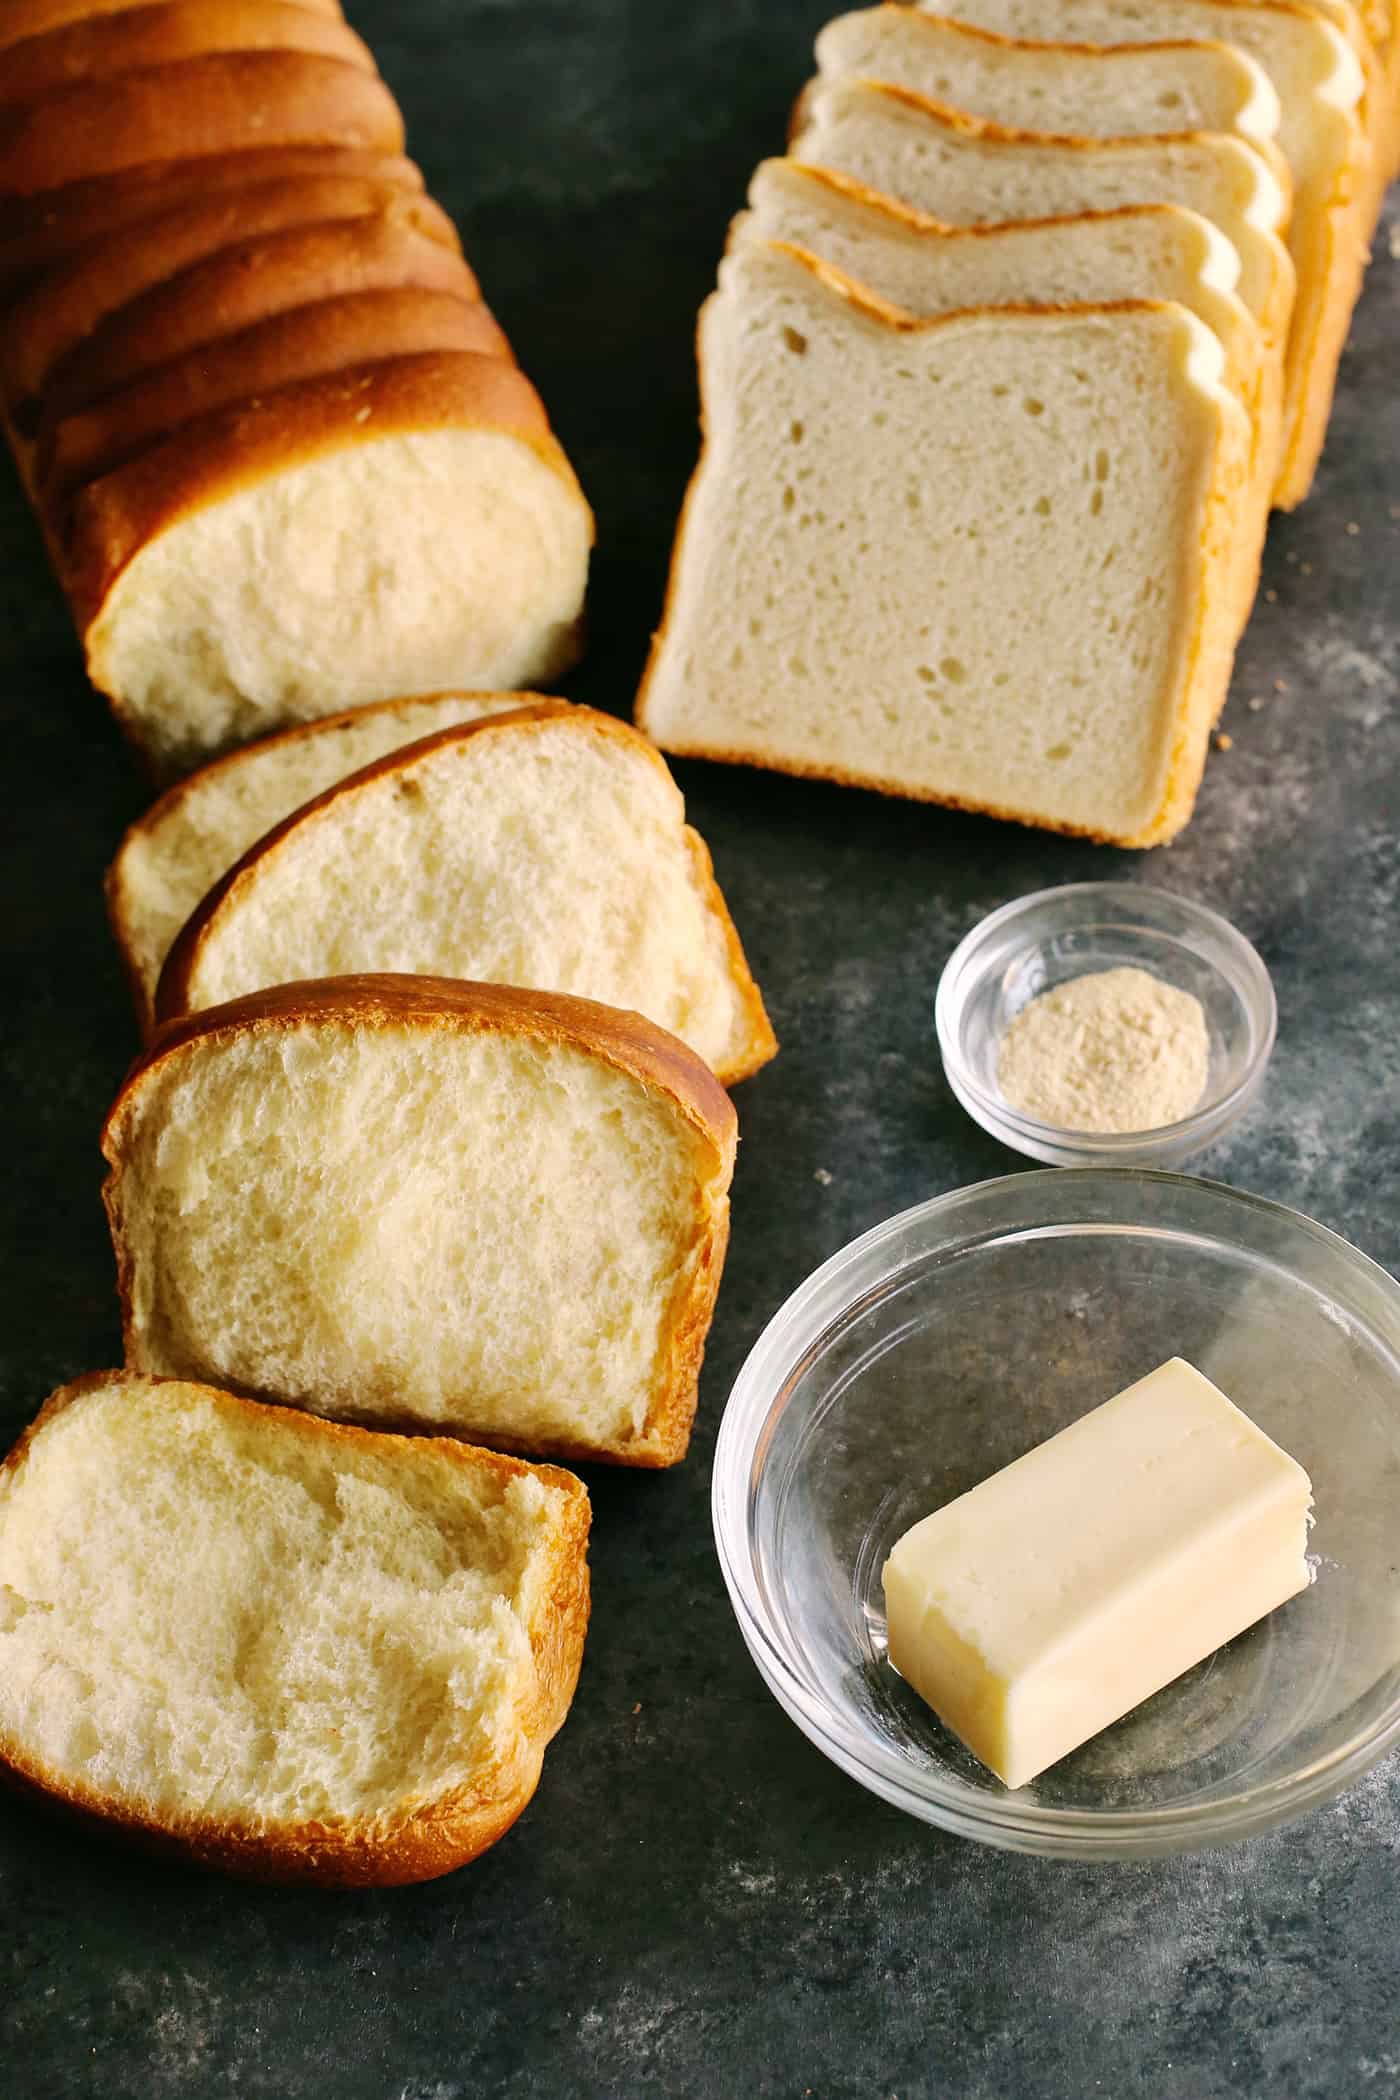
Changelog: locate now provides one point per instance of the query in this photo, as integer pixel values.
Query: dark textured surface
(697, 1904)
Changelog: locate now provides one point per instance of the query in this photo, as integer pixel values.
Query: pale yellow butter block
(1061, 1593)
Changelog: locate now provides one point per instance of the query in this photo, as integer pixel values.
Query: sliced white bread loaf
(26, 18)
(404, 1200)
(178, 850)
(1320, 84)
(322, 337)
(848, 591)
(45, 326)
(1156, 251)
(546, 848)
(412, 522)
(101, 45)
(277, 1646)
(224, 103)
(968, 171)
(1082, 87)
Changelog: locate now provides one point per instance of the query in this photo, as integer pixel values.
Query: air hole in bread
(1042, 507)
(795, 341)
(797, 431)
(953, 669)
(1032, 406)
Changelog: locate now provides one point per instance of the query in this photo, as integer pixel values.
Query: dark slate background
(697, 1904)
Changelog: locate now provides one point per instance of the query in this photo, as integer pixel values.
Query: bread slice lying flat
(968, 171)
(403, 1200)
(1152, 251)
(288, 1649)
(123, 41)
(433, 530)
(1089, 87)
(546, 848)
(200, 827)
(848, 591)
(1320, 84)
(220, 104)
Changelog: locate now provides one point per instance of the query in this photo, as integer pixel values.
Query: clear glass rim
(1249, 976)
(1002, 1820)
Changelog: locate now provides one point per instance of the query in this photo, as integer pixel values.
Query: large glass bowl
(943, 1344)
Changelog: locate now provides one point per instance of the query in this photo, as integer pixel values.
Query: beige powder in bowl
(1114, 1051)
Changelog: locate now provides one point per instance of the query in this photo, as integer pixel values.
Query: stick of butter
(1079, 1580)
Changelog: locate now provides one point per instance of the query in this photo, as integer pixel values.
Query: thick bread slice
(403, 1199)
(547, 849)
(41, 233)
(245, 282)
(199, 828)
(102, 45)
(225, 103)
(850, 590)
(407, 523)
(276, 1646)
(1153, 251)
(1081, 87)
(107, 275)
(27, 18)
(1320, 84)
(970, 172)
(324, 337)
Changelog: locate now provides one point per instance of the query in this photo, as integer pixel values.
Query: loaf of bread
(1085, 463)
(128, 39)
(546, 848)
(408, 1201)
(1320, 85)
(341, 1661)
(201, 826)
(405, 524)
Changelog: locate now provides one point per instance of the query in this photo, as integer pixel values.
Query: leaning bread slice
(970, 172)
(26, 18)
(1150, 251)
(245, 282)
(1080, 86)
(39, 234)
(1320, 85)
(546, 848)
(61, 312)
(407, 1200)
(199, 828)
(100, 46)
(277, 1646)
(225, 103)
(1041, 619)
(322, 337)
(412, 523)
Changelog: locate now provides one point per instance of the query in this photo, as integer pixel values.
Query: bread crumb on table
(1223, 741)
(823, 1177)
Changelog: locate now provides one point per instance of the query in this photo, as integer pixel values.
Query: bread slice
(38, 234)
(546, 848)
(97, 47)
(105, 276)
(411, 523)
(242, 283)
(223, 103)
(199, 828)
(272, 1645)
(1320, 84)
(408, 1200)
(1083, 87)
(27, 18)
(968, 171)
(849, 589)
(323, 337)
(1152, 251)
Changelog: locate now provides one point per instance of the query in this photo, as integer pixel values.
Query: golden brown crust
(428, 1838)
(909, 215)
(219, 104)
(100, 46)
(38, 234)
(248, 281)
(26, 18)
(304, 343)
(173, 990)
(106, 276)
(220, 454)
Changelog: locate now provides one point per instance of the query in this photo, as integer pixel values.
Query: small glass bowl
(1045, 939)
(942, 1345)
